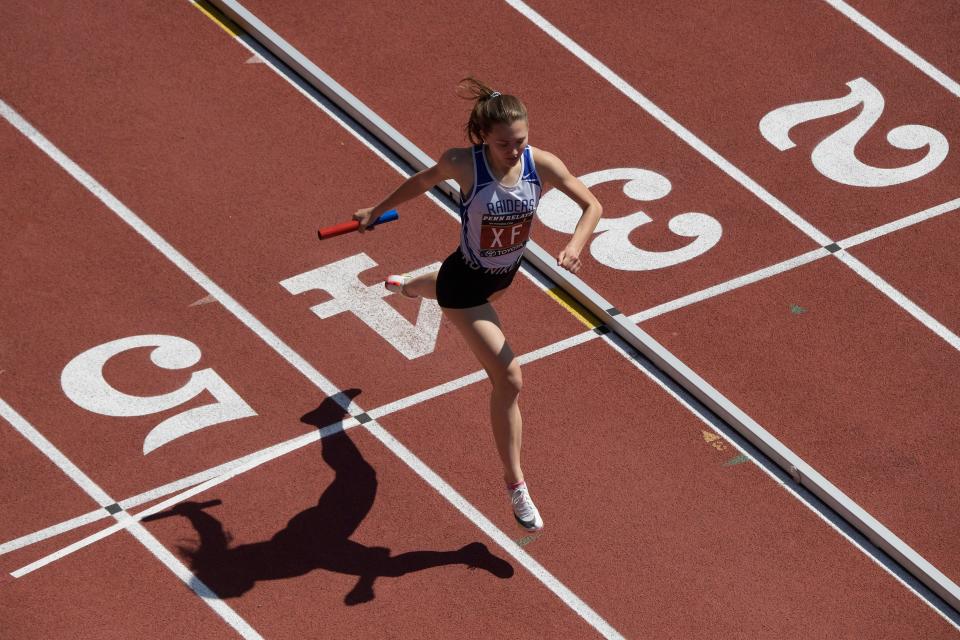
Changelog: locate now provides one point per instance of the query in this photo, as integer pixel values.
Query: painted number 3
(613, 247)
(83, 382)
(834, 157)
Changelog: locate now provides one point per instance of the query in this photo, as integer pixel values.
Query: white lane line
(902, 223)
(272, 340)
(801, 260)
(156, 493)
(476, 376)
(903, 301)
(53, 531)
(730, 285)
(253, 462)
(100, 496)
(475, 516)
(896, 46)
(670, 123)
(48, 449)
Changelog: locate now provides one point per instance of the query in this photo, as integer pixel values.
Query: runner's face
(506, 142)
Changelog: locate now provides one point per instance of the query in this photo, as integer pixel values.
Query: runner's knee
(508, 379)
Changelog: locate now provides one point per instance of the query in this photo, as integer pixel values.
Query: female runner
(501, 178)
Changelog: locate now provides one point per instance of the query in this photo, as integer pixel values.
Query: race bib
(502, 234)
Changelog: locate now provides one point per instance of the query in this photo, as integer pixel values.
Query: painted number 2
(83, 382)
(835, 156)
(613, 247)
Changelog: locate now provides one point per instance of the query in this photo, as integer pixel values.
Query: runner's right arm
(448, 167)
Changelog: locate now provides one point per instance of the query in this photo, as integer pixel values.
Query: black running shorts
(460, 286)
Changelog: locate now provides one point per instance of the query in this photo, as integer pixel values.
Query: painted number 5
(83, 382)
(613, 247)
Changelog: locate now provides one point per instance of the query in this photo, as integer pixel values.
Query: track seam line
(896, 46)
(92, 489)
(298, 362)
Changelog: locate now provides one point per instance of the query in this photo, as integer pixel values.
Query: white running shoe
(524, 510)
(397, 283)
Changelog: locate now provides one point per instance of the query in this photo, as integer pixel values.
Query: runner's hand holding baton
(357, 224)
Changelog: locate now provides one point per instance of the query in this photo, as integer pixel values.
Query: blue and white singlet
(497, 218)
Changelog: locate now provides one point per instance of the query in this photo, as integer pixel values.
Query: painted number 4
(835, 156)
(83, 382)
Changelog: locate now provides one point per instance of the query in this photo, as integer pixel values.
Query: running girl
(501, 178)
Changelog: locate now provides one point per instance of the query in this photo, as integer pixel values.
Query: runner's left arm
(555, 174)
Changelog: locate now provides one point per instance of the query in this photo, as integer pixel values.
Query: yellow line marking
(223, 21)
(578, 310)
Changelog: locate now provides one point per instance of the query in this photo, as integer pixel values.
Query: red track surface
(925, 27)
(651, 520)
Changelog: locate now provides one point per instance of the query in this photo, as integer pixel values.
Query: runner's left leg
(480, 327)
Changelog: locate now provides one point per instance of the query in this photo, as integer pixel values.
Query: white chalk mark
(203, 300)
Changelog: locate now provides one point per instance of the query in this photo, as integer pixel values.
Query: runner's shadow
(317, 537)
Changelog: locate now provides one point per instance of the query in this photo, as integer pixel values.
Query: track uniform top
(496, 217)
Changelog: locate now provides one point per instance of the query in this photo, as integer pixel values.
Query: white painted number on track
(342, 281)
(613, 247)
(83, 382)
(835, 156)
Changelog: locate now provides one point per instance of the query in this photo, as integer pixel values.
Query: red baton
(354, 225)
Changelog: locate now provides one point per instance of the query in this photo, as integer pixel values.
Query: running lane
(933, 631)
(929, 29)
(664, 528)
(236, 170)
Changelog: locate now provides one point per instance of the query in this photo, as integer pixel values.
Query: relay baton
(353, 225)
